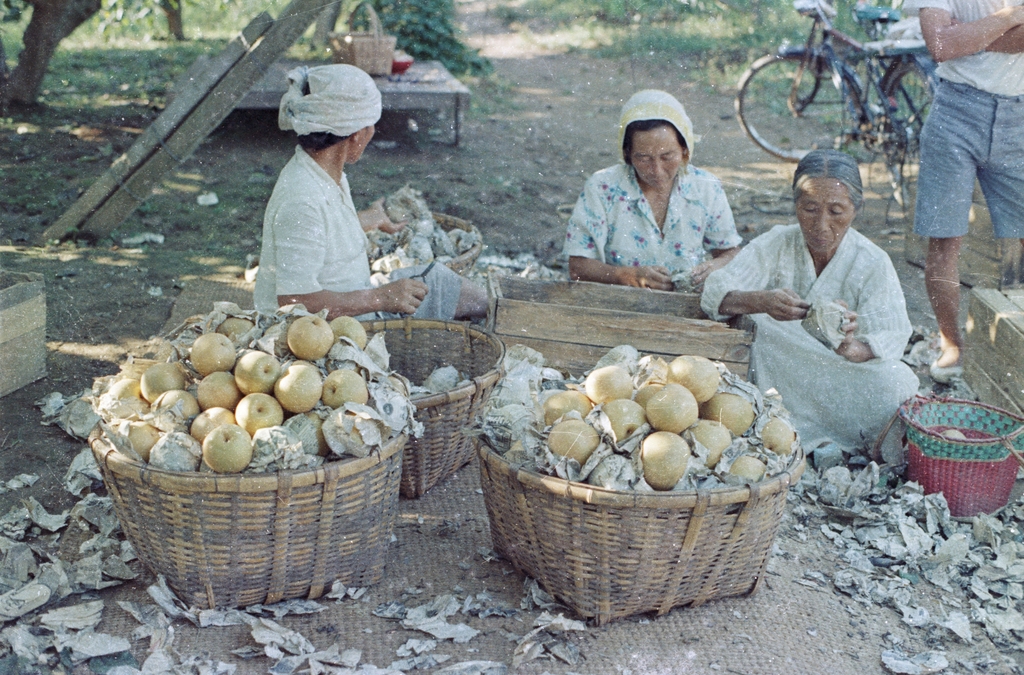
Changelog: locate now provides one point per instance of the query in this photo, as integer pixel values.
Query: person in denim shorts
(975, 130)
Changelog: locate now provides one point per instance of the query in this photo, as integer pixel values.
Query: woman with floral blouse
(653, 221)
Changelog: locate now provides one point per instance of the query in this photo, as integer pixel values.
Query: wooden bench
(427, 85)
(574, 323)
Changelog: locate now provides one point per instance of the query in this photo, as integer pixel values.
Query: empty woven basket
(417, 347)
(234, 540)
(976, 468)
(609, 554)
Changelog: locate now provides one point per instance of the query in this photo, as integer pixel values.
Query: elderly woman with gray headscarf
(652, 221)
(314, 240)
(845, 391)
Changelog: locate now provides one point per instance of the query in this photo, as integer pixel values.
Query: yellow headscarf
(653, 104)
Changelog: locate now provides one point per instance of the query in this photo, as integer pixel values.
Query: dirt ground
(527, 147)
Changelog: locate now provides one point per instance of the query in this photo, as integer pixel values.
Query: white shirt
(613, 221)
(860, 273)
(312, 239)
(829, 397)
(1001, 74)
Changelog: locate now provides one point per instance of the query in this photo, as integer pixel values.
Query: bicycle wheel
(907, 88)
(788, 105)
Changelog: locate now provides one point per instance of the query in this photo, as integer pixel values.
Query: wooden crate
(22, 330)
(994, 356)
(574, 323)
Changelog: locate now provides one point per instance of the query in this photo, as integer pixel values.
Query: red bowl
(399, 67)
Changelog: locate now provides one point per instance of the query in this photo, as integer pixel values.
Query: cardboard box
(574, 323)
(22, 330)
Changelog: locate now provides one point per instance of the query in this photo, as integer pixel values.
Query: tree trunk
(172, 8)
(5, 76)
(325, 22)
(52, 21)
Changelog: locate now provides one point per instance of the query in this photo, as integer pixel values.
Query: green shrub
(426, 31)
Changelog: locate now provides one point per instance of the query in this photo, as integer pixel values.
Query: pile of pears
(688, 401)
(238, 393)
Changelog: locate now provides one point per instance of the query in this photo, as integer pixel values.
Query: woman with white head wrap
(651, 221)
(314, 240)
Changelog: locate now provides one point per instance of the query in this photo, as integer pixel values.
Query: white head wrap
(342, 99)
(652, 104)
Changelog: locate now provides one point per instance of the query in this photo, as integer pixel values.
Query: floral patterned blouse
(613, 222)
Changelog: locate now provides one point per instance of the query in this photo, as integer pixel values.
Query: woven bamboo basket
(417, 347)
(234, 540)
(609, 554)
(975, 473)
(465, 261)
(372, 52)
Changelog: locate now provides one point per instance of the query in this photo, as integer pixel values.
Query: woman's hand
(851, 348)
(401, 297)
(376, 218)
(654, 276)
(781, 304)
(588, 269)
(720, 258)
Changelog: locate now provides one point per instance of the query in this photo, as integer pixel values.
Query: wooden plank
(994, 342)
(17, 287)
(602, 296)
(186, 97)
(22, 318)
(22, 360)
(608, 328)
(578, 359)
(208, 114)
(987, 390)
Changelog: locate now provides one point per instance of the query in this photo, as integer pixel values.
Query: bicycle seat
(865, 13)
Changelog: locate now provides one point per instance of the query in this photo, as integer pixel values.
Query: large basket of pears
(420, 349)
(648, 486)
(250, 463)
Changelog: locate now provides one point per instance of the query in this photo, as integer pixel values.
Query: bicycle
(810, 96)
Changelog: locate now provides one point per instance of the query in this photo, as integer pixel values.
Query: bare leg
(942, 280)
(472, 302)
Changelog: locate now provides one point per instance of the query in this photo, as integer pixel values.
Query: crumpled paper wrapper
(824, 322)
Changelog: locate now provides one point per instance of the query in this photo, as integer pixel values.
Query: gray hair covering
(341, 99)
(830, 164)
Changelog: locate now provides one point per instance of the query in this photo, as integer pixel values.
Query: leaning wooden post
(172, 138)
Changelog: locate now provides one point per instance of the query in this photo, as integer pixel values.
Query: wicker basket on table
(417, 347)
(608, 554)
(234, 540)
(463, 262)
(976, 468)
(373, 51)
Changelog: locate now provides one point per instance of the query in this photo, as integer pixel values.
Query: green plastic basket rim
(934, 444)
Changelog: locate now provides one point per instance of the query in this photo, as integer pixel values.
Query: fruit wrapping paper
(421, 241)
(513, 426)
(352, 430)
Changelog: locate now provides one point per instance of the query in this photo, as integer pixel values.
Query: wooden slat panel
(609, 328)
(24, 287)
(191, 92)
(577, 359)
(987, 390)
(214, 107)
(22, 318)
(602, 296)
(22, 360)
(995, 343)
